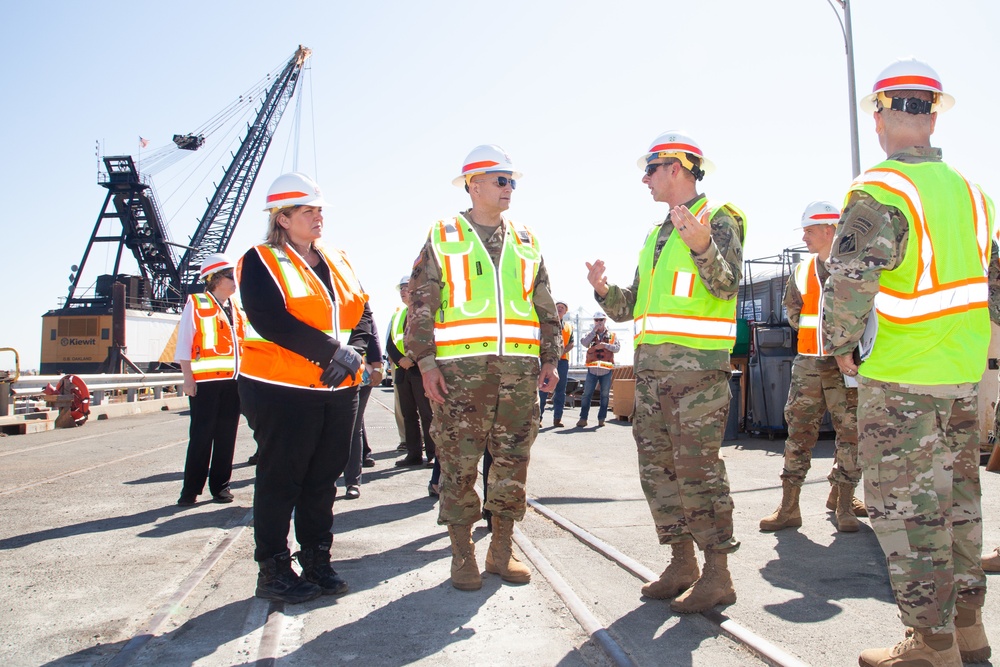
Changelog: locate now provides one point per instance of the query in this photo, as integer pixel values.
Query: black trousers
(304, 440)
(417, 413)
(215, 416)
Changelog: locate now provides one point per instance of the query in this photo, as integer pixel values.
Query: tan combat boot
(714, 586)
(856, 505)
(846, 521)
(971, 635)
(679, 575)
(787, 515)
(464, 571)
(500, 558)
(917, 649)
(991, 563)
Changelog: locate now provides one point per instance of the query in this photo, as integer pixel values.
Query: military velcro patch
(847, 245)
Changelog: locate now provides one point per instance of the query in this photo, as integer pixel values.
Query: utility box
(623, 398)
(770, 367)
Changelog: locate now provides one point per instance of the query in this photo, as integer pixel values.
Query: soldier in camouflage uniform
(914, 241)
(483, 362)
(817, 386)
(685, 314)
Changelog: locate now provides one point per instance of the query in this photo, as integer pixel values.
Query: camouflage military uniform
(491, 401)
(682, 401)
(918, 444)
(817, 386)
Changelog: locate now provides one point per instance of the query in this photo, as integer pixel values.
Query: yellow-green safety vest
(933, 322)
(484, 312)
(672, 304)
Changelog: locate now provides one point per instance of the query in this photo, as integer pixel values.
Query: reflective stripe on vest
(808, 283)
(933, 323)
(215, 347)
(484, 311)
(308, 300)
(672, 304)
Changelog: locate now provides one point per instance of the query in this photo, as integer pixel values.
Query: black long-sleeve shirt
(264, 306)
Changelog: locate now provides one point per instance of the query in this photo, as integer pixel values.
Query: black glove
(345, 363)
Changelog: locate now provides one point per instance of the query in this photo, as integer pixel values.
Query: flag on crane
(143, 142)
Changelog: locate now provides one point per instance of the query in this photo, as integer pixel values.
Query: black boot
(278, 581)
(488, 518)
(316, 568)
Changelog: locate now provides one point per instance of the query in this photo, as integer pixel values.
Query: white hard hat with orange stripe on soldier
(907, 74)
(483, 160)
(820, 213)
(678, 145)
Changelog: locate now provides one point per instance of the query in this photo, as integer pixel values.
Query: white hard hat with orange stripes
(678, 145)
(213, 264)
(908, 74)
(820, 213)
(293, 189)
(484, 159)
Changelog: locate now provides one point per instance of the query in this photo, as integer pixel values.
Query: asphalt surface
(100, 567)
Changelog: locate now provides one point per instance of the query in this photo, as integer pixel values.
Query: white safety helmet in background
(909, 74)
(677, 144)
(820, 213)
(599, 315)
(293, 189)
(213, 264)
(403, 282)
(484, 159)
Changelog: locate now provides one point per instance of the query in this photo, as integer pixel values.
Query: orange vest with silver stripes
(808, 283)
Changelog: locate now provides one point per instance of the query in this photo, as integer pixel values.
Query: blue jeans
(559, 396)
(589, 384)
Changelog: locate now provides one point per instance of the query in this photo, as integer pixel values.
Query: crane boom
(224, 210)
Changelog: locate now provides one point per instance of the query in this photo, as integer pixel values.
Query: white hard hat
(599, 315)
(214, 263)
(820, 213)
(909, 74)
(293, 189)
(484, 159)
(405, 280)
(677, 144)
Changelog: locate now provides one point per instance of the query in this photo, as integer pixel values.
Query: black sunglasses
(227, 274)
(651, 168)
(503, 181)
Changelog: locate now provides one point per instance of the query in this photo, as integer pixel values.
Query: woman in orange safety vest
(209, 341)
(299, 386)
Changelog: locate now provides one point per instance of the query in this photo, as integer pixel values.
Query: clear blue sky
(399, 92)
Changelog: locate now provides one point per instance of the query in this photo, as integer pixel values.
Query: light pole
(845, 29)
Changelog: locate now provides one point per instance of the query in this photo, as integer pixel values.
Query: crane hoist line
(88, 333)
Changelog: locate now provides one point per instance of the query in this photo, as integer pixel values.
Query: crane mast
(90, 326)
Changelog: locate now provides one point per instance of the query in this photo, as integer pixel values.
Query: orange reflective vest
(216, 345)
(599, 357)
(307, 299)
(567, 333)
(811, 288)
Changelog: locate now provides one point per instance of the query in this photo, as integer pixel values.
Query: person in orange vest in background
(911, 255)
(601, 347)
(817, 386)
(559, 396)
(209, 348)
(308, 317)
